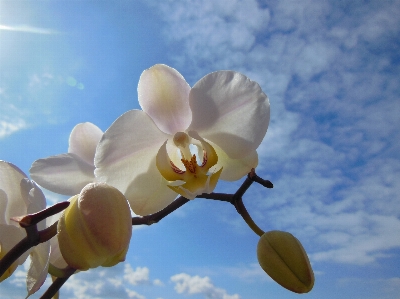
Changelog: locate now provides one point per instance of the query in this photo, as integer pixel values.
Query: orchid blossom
(68, 173)
(19, 196)
(150, 154)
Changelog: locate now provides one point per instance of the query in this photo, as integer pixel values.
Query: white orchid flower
(19, 196)
(68, 173)
(148, 155)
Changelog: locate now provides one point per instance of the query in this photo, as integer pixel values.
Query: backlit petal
(65, 174)
(36, 199)
(127, 149)
(56, 258)
(231, 111)
(83, 141)
(234, 169)
(38, 268)
(164, 95)
(148, 192)
(3, 207)
(10, 235)
(10, 182)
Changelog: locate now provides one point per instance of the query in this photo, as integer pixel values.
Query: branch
(57, 284)
(33, 236)
(154, 218)
(234, 199)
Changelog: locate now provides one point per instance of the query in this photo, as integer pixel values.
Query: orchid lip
(196, 176)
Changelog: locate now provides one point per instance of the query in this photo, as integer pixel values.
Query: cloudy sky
(331, 70)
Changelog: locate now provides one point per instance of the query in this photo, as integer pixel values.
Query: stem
(154, 218)
(56, 285)
(266, 183)
(218, 196)
(246, 216)
(33, 236)
(15, 252)
(32, 219)
(48, 232)
(236, 199)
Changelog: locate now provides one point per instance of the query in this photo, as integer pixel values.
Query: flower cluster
(181, 143)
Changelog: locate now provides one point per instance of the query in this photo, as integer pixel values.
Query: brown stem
(236, 199)
(31, 219)
(15, 252)
(48, 232)
(56, 285)
(154, 218)
(246, 216)
(33, 236)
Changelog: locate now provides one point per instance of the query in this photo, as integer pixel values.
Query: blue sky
(331, 70)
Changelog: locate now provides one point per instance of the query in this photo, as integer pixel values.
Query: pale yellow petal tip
(284, 259)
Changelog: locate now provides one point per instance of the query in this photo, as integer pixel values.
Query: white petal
(230, 110)
(10, 235)
(56, 257)
(149, 193)
(234, 169)
(10, 183)
(37, 201)
(37, 272)
(83, 141)
(127, 149)
(3, 207)
(64, 174)
(164, 95)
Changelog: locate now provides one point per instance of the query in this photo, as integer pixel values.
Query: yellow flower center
(195, 179)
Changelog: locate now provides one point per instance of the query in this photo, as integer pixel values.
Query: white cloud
(184, 283)
(332, 146)
(8, 127)
(101, 283)
(134, 295)
(384, 288)
(138, 276)
(158, 282)
(249, 273)
(212, 33)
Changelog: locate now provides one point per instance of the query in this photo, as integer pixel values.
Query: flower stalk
(33, 236)
(56, 285)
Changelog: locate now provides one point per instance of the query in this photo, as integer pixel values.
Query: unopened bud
(284, 259)
(96, 228)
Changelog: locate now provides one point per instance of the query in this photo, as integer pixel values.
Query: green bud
(284, 259)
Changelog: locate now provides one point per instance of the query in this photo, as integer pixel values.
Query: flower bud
(96, 228)
(284, 259)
